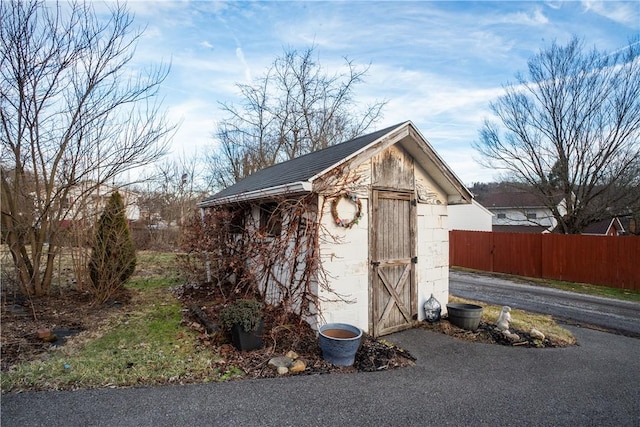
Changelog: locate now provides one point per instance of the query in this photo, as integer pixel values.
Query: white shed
(379, 202)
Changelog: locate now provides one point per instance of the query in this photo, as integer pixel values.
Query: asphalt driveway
(453, 383)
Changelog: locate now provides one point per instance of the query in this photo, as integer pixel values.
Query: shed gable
(393, 169)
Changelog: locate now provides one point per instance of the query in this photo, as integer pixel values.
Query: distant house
(606, 227)
(520, 212)
(380, 203)
(86, 201)
(471, 217)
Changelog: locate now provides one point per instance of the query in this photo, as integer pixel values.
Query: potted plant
(244, 319)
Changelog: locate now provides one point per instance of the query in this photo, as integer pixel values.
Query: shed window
(237, 221)
(502, 216)
(531, 216)
(270, 219)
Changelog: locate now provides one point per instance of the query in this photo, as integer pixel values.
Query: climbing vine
(276, 257)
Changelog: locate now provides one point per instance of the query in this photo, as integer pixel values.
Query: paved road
(453, 383)
(607, 313)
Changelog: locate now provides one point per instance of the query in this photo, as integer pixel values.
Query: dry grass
(524, 321)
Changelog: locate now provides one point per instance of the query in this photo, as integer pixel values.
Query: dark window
(237, 222)
(270, 219)
(502, 216)
(531, 216)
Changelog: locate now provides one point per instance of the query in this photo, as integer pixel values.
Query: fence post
(493, 252)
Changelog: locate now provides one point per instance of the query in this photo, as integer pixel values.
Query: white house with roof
(520, 211)
(86, 201)
(381, 205)
(470, 217)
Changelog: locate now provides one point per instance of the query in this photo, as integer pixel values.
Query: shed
(605, 227)
(379, 204)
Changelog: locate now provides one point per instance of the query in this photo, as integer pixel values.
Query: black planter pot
(465, 316)
(246, 340)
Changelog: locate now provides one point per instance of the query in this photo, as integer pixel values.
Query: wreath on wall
(341, 222)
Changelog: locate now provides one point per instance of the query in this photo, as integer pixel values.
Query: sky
(436, 63)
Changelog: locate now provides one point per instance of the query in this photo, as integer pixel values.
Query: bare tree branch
(572, 129)
(294, 109)
(73, 110)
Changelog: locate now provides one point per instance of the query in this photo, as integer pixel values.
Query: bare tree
(572, 129)
(73, 110)
(294, 109)
(174, 188)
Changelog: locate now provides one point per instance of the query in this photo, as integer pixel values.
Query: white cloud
(535, 18)
(247, 70)
(196, 118)
(449, 112)
(438, 63)
(205, 44)
(554, 4)
(626, 13)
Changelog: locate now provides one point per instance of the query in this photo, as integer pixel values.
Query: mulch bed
(487, 333)
(283, 332)
(73, 312)
(64, 315)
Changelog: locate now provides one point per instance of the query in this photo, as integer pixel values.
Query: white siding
(472, 217)
(433, 256)
(345, 260)
(345, 254)
(519, 216)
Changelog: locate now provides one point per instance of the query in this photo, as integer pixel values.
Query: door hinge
(375, 263)
(414, 202)
(414, 260)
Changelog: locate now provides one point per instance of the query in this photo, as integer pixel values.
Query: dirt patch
(63, 315)
(283, 332)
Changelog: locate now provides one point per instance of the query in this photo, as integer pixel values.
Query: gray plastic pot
(339, 343)
(465, 316)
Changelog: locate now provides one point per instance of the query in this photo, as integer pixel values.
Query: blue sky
(438, 64)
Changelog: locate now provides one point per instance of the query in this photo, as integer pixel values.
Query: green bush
(247, 313)
(113, 254)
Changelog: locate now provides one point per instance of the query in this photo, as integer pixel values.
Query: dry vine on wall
(270, 251)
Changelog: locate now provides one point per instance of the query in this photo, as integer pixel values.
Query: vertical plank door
(392, 262)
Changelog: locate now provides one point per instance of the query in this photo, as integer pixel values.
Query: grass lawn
(142, 344)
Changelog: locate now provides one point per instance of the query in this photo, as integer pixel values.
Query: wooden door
(392, 262)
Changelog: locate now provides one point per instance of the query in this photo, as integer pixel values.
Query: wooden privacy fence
(598, 260)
